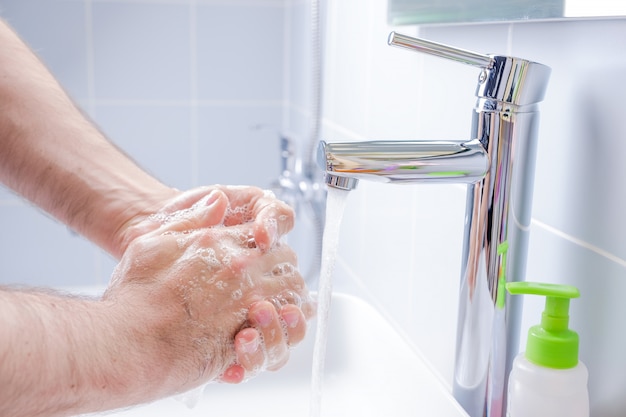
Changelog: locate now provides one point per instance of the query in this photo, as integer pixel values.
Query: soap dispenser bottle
(548, 379)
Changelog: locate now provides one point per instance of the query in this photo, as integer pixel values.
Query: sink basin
(370, 371)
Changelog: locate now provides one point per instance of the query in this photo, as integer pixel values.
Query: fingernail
(251, 346)
(263, 317)
(212, 197)
(234, 374)
(292, 318)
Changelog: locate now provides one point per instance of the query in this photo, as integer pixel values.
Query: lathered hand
(269, 217)
(204, 285)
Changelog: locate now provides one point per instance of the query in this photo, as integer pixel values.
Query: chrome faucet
(497, 163)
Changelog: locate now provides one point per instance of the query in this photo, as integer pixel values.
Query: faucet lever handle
(441, 50)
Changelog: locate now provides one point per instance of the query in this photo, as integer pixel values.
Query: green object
(551, 344)
(502, 250)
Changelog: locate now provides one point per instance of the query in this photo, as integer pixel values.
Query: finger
(187, 199)
(272, 272)
(264, 317)
(295, 323)
(211, 210)
(309, 308)
(249, 351)
(234, 374)
(207, 212)
(273, 220)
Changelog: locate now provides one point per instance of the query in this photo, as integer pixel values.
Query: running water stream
(335, 205)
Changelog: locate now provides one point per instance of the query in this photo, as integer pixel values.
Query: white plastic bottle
(548, 380)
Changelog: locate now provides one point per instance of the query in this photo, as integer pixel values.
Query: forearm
(52, 155)
(63, 356)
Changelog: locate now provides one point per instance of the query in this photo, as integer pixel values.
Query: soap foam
(191, 398)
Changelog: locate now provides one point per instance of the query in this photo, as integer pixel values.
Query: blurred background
(200, 92)
(195, 92)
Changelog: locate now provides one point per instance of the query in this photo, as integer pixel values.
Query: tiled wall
(184, 85)
(196, 91)
(401, 244)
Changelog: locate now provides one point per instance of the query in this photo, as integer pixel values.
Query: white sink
(370, 371)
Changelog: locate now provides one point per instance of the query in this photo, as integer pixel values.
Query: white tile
(580, 170)
(447, 97)
(39, 251)
(439, 215)
(233, 149)
(297, 125)
(394, 85)
(403, 243)
(300, 57)
(142, 50)
(240, 52)
(56, 31)
(158, 137)
(347, 68)
(8, 196)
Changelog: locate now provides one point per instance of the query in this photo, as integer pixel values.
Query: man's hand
(270, 217)
(209, 274)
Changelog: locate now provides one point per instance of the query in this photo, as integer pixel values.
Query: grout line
(287, 28)
(364, 288)
(91, 61)
(261, 3)
(369, 63)
(193, 85)
(349, 134)
(328, 69)
(257, 3)
(183, 102)
(599, 251)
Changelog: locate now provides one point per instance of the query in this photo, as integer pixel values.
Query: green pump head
(551, 344)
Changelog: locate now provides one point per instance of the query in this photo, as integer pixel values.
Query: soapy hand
(270, 217)
(204, 288)
(209, 275)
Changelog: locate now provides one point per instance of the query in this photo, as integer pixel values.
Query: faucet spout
(343, 183)
(402, 162)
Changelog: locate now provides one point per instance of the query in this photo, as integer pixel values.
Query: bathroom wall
(400, 245)
(194, 91)
(184, 85)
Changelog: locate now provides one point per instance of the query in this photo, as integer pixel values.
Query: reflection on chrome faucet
(497, 163)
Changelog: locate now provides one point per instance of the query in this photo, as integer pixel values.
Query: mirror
(408, 12)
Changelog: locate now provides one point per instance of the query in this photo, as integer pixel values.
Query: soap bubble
(283, 269)
(191, 398)
(238, 215)
(285, 297)
(241, 315)
(209, 257)
(227, 259)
